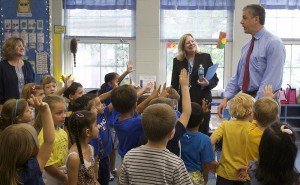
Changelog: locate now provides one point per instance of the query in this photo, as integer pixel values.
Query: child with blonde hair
(81, 165)
(21, 159)
(15, 111)
(54, 173)
(265, 112)
(49, 84)
(234, 134)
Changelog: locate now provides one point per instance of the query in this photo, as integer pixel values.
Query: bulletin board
(29, 20)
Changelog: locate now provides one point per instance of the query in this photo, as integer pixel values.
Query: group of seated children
(157, 144)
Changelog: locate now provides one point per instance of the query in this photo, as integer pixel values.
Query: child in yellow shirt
(234, 134)
(265, 112)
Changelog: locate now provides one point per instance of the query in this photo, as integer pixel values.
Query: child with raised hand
(234, 134)
(182, 121)
(81, 165)
(129, 126)
(49, 84)
(21, 159)
(196, 149)
(54, 173)
(113, 79)
(277, 156)
(15, 111)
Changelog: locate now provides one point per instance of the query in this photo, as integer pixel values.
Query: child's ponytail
(77, 134)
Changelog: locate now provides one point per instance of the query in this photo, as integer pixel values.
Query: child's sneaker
(111, 177)
(114, 172)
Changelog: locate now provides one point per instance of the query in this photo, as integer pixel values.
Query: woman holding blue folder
(190, 58)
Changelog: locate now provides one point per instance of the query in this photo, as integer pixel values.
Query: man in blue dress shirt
(266, 61)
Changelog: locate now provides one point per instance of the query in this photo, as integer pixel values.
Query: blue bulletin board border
(28, 19)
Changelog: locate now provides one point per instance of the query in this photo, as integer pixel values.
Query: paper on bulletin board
(41, 63)
(145, 79)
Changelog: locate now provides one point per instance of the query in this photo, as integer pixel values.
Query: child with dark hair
(112, 80)
(129, 125)
(73, 92)
(103, 145)
(81, 165)
(277, 156)
(153, 163)
(196, 149)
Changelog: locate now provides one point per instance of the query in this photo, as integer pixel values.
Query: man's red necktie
(246, 72)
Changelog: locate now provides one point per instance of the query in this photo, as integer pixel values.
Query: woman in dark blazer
(14, 71)
(190, 58)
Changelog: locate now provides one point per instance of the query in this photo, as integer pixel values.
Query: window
(95, 60)
(101, 48)
(175, 23)
(284, 24)
(291, 71)
(101, 23)
(216, 54)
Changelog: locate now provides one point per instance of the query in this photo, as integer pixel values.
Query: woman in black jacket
(14, 71)
(190, 58)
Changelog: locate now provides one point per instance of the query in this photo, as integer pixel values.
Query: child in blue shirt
(196, 149)
(129, 126)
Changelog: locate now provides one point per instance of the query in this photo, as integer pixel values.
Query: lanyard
(190, 69)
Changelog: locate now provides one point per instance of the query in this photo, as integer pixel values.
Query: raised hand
(37, 103)
(184, 78)
(156, 91)
(68, 80)
(129, 67)
(148, 87)
(164, 93)
(268, 92)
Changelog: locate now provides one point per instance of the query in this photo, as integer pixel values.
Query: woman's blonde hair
(12, 108)
(30, 89)
(51, 100)
(18, 143)
(181, 52)
(241, 106)
(9, 48)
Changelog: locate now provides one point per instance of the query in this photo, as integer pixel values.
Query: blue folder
(211, 71)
